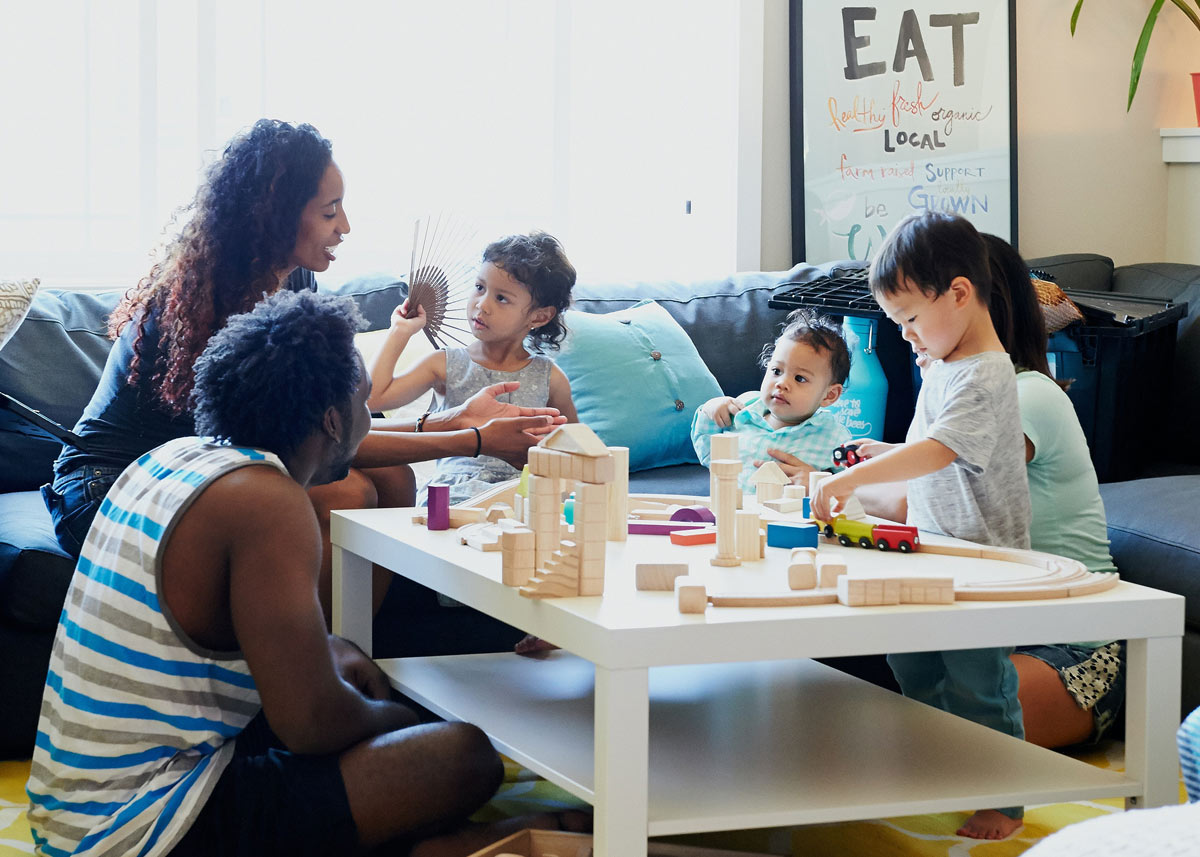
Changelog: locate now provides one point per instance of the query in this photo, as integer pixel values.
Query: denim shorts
(73, 500)
(1095, 678)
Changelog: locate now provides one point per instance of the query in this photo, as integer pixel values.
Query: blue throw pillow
(636, 379)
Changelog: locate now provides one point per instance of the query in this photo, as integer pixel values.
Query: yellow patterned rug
(913, 836)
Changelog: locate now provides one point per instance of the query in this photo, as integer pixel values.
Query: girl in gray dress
(515, 315)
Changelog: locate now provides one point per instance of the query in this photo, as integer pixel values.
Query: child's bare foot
(989, 824)
(530, 645)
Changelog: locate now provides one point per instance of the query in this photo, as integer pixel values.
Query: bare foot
(532, 646)
(989, 824)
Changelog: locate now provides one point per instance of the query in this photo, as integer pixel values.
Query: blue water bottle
(863, 402)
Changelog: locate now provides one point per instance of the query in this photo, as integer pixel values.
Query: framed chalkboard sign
(898, 107)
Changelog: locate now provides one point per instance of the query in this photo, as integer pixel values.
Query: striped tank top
(137, 721)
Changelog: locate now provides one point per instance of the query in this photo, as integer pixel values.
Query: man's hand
(510, 439)
(793, 468)
(357, 670)
(721, 410)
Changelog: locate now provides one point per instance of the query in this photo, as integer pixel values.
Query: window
(612, 125)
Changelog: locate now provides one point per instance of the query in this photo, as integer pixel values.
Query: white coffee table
(670, 723)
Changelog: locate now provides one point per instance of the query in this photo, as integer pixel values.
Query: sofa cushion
(52, 364)
(676, 479)
(636, 379)
(728, 320)
(34, 570)
(1154, 537)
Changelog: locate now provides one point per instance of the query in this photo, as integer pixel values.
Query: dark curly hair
(239, 236)
(538, 262)
(268, 376)
(931, 249)
(818, 332)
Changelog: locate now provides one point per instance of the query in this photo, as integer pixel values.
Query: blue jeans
(978, 684)
(73, 500)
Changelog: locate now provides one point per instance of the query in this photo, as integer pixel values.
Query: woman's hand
(793, 468)
(484, 407)
(721, 410)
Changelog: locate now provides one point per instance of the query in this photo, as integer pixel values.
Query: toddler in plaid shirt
(806, 368)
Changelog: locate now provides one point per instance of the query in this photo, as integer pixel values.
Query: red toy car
(899, 536)
(846, 456)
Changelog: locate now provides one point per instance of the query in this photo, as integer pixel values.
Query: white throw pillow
(15, 299)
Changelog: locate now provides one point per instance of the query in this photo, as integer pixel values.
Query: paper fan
(441, 276)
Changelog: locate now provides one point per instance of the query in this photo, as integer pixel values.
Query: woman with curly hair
(268, 213)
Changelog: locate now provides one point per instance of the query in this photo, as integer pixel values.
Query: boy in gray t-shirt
(963, 458)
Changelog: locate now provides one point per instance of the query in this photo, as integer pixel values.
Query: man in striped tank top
(193, 622)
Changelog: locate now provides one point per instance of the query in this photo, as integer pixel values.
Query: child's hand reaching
(402, 324)
(868, 448)
(721, 410)
(831, 495)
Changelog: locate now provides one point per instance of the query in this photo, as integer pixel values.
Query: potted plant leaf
(1139, 53)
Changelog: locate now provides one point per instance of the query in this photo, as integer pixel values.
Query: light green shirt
(1068, 514)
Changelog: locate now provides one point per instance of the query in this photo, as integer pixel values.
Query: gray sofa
(54, 362)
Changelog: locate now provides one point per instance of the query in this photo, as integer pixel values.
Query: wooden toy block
(650, 514)
(747, 536)
(868, 591)
(783, 505)
(802, 575)
(662, 528)
(704, 536)
(853, 509)
(480, 536)
(550, 586)
(438, 511)
(501, 492)
(768, 481)
(723, 445)
(658, 576)
(814, 478)
(575, 439)
(798, 554)
(690, 595)
(617, 528)
(927, 590)
(786, 534)
(794, 492)
(496, 511)
(517, 557)
(829, 569)
(791, 599)
(693, 513)
(512, 525)
(723, 484)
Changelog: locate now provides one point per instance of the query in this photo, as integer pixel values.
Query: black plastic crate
(1119, 361)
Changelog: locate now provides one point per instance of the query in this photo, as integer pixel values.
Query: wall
(1090, 176)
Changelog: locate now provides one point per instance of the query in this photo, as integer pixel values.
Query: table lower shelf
(762, 744)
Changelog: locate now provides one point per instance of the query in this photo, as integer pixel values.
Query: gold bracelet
(421, 420)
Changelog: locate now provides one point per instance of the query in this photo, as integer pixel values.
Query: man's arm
(274, 550)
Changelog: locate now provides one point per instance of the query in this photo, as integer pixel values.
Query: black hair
(930, 250)
(240, 233)
(1016, 313)
(266, 379)
(818, 332)
(538, 262)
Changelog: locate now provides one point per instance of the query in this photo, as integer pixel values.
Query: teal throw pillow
(636, 379)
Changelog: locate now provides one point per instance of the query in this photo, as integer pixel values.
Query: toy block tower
(576, 566)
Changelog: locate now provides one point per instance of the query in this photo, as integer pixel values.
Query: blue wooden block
(786, 534)
(807, 510)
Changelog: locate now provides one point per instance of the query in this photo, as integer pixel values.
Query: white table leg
(1151, 718)
(352, 597)
(622, 747)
